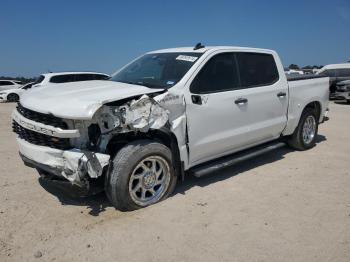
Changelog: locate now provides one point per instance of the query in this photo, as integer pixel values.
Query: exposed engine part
(136, 115)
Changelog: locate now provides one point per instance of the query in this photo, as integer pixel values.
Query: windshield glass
(159, 70)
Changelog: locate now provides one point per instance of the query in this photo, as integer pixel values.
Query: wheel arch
(315, 105)
(9, 95)
(163, 135)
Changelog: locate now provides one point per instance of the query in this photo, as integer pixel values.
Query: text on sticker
(187, 58)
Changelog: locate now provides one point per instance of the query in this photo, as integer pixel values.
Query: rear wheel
(305, 134)
(140, 175)
(13, 97)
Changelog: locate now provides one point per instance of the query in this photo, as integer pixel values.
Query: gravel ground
(283, 206)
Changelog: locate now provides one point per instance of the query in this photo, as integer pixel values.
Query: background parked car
(336, 73)
(343, 90)
(292, 72)
(65, 77)
(9, 84)
(13, 95)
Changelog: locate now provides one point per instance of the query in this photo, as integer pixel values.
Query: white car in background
(9, 84)
(336, 73)
(66, 77)
(293, 72)
(13, 95)
(343, 90)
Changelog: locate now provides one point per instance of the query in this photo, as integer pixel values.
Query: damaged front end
(88, 157)
(134, 116)
(137, 115)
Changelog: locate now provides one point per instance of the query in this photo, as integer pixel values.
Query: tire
(12, 97)
(348, 101)
(297, 140)
(133, 176)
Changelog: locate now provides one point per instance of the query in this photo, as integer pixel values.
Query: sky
(40, 36)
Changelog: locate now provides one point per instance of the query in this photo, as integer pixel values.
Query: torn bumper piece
(74, 165)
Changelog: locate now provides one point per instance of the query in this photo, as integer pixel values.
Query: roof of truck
(207, 48)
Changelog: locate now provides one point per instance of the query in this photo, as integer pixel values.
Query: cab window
(257, 69)
(218, 74)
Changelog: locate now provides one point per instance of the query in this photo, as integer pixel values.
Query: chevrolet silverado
(164, 115)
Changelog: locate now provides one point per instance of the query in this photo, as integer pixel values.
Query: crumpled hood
(79, 100)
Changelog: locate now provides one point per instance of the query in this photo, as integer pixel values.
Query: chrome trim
(42, 128)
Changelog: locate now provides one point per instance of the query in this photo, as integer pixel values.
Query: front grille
(41, 118)
(40, 139)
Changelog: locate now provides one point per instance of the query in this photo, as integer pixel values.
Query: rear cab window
(257, 69)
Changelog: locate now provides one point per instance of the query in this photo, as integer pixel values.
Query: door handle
(241, 101)
(281, 94)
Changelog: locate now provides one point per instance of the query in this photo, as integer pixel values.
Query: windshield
(159, 70)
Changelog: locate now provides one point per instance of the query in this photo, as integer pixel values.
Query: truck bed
(302, 77)
(302, 91)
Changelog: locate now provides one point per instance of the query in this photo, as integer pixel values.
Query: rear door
(236, 101)
(266, 94)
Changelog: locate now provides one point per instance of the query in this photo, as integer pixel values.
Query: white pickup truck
(168, 111)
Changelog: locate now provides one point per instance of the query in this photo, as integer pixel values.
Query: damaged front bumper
(74, 165)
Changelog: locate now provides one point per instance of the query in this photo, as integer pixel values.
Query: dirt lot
(284, 206)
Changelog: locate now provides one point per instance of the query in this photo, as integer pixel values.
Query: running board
(211, 166)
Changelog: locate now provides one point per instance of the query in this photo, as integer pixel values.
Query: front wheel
(13, 98)
(140, 175)
(304, 136)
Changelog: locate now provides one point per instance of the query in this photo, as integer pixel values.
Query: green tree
(293, 66)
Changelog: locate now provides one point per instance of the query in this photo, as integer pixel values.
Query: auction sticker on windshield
(187, 58)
